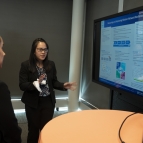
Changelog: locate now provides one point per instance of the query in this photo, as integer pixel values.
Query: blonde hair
(1, 39)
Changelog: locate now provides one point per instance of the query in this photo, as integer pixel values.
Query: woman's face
(2, 53)
(41, 51)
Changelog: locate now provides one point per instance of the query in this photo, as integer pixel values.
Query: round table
(90, 126)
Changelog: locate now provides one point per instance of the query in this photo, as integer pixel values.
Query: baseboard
(17, 104)
(86, 103)
(82, 106)
(60, 102)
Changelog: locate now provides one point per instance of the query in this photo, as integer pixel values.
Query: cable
(122, 126)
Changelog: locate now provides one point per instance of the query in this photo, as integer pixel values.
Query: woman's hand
(70, 85)
(41, 77)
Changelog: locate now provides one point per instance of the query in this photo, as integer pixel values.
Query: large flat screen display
(118, 51)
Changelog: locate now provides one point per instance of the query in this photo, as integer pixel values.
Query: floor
(22, 121)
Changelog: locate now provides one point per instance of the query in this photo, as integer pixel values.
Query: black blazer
(31, 94)
(9, 130)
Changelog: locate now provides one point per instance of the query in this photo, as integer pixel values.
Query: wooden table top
(90, 126)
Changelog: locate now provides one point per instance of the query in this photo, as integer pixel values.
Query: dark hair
(32, 58)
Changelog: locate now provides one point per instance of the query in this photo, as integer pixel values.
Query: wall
(95, 94)
(21, 23)
(129, 4)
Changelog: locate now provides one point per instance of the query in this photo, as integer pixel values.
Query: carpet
(22, 122)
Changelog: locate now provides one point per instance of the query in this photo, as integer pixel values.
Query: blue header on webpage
(123, 20)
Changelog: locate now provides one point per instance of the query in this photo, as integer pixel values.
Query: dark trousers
(37, 118)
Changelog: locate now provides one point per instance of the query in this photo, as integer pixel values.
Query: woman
(37, 78)
(9, 130)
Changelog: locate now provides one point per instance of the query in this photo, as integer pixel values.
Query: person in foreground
(9, 130)
(37, 78)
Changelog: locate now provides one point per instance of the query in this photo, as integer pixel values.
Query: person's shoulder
(2, 84)
(51, 62)
(4, 91)
(25, 63)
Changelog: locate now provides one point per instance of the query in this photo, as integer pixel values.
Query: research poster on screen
(121, 52)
